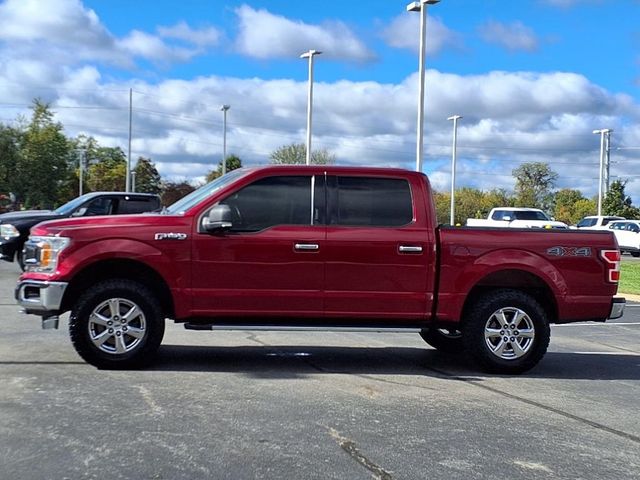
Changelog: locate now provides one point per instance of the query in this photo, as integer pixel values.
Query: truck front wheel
(506, 331)
(117, 324)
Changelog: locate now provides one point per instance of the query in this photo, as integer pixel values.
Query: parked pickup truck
(15, 226)
(515, 217)
(319, 247)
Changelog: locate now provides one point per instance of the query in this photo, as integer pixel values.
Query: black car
(15, 226)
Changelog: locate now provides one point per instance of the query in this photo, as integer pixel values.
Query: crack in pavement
(350, 447)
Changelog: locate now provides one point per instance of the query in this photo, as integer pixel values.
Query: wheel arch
(123, 269)
(514, 279)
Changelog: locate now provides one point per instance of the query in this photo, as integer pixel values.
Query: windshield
(71, 205)
(530, 215)
(205, 191)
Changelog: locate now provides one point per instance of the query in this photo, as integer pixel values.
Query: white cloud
(404, 32)
(66, 32)
(513, 36)
(208, 36)
(265, 35)
(141, 44)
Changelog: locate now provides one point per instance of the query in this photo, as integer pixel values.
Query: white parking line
(598, 324)
(609, 353)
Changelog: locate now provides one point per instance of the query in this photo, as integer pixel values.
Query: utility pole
(455, 119)
(82, 160)
(224, 109)
(604, 132)
(127, 181)
(607, 162)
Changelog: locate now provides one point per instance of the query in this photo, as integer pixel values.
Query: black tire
(635, 254)
(124, 342)
(20, 259)
(503, 347)
(446, 340)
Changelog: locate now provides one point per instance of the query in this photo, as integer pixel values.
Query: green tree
(570, 206)
(45, 159)
(147, 177)
(106, 169)
(534, 185)
(10, 140)
(233, 162)
(296, 154)
(617, 202)
(174, 191)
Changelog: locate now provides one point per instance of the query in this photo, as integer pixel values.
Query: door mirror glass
(506, 218)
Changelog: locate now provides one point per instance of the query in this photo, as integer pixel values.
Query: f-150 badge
(170, 236)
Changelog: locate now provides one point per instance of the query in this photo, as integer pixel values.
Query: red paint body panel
(357, 273)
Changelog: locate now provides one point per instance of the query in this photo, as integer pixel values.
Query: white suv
(627, 234)
(597, 222)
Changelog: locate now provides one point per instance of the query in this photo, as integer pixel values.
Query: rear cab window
(370, 201)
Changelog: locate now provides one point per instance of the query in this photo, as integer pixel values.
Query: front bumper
(617, 308)
(40, 297)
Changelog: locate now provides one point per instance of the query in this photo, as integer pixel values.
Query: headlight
(8, 231)
(41, 253)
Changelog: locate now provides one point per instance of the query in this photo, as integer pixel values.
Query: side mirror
(218, 220)
(506, 218)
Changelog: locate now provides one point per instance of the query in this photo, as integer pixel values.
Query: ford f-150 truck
(315, 247)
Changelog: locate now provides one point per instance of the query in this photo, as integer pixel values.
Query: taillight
(612, 261)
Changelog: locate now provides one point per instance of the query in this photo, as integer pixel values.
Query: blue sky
(532, 79)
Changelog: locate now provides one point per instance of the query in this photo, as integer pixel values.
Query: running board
(301, 328)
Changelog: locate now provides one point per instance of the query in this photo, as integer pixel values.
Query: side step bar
(300, 328)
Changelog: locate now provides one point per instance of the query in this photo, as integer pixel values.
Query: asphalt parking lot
(245, 405)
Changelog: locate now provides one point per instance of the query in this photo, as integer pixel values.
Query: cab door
(271, 261)
(379, 252)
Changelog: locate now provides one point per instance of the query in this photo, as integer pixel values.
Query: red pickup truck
(315, 248)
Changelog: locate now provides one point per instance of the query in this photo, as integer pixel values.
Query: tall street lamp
(224, 109)
(455, 119)
(421, 6)
(310, 54)
(602, 132)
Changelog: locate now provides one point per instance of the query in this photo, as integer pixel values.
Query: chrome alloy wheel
(117, 326)
(509, 333)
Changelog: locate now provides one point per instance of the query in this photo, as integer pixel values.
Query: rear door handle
(306, 247)
(410, 249)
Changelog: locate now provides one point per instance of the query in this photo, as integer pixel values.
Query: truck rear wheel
(447, 340)
(506, 331)
(117, 324)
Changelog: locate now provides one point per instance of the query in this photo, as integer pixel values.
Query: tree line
(535, 188)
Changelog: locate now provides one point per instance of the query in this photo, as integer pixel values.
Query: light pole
(224, 109)
(455, 119)
(133, 180)
(602, 132)
(310, 54)
(127, 181)
(421, 6)
(81, 160)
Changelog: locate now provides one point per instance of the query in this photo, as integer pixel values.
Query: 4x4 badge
(171, 236)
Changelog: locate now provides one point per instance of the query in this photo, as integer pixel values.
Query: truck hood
(24, 215)
(114, 224)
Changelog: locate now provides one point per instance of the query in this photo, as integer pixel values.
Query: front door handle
(306, 247)
(410, 249)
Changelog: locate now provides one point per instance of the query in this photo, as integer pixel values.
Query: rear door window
(376, 202)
